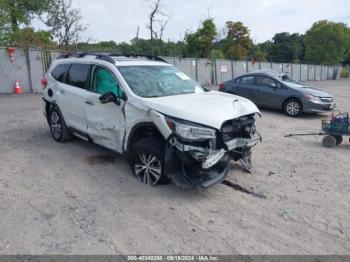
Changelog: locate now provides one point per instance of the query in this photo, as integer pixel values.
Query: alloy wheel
(147, 168)
(293, 108)
(56, 125)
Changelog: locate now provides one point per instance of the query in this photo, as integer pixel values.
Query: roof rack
(108, 56)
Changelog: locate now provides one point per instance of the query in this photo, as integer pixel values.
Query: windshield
(156, 81)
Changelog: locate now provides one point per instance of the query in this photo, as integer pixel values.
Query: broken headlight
(190, 131)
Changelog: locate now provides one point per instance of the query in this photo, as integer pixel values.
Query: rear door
(244, 86)
(70, 96)
(106, 122)
(269, 92)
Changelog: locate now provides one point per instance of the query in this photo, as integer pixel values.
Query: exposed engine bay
(205, 163)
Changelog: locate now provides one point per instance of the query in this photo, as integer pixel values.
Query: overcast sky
(118, 19)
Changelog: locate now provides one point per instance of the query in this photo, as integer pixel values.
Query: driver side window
(266, 81)
(103, 82)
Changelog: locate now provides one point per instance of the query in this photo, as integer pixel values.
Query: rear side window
(59, 72)
(247, 80)
(78, 75)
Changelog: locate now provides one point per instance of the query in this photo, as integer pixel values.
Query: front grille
(239, 127)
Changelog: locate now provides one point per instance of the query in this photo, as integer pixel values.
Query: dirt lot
(78, 198)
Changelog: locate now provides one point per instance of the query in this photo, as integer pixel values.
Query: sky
(118, 20)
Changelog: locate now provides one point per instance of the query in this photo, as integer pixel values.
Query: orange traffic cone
(18, 89)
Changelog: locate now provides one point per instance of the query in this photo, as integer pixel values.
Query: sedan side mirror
(108, 98)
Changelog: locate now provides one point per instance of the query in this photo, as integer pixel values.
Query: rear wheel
(147, 161)
(59, 130)
(329, 141)
(293, 108)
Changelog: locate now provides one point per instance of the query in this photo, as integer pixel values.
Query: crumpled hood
(208, 108)
(310, 90)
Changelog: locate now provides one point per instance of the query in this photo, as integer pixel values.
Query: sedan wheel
(147, 168)
(293, 108)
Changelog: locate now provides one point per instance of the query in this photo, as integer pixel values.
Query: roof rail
(136, 55)
(107, 56)
(100, 56)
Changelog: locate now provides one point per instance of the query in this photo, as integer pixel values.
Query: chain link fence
(29, 67)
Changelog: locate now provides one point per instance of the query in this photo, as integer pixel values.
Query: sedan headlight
(189, 130)
(312, 98)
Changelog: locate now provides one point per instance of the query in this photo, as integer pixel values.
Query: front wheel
(293, 108)
(147, 161)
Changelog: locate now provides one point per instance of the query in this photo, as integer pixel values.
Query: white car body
(112, 125)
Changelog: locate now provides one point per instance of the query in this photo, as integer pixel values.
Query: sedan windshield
(156, 81)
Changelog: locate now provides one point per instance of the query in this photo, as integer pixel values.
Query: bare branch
(65, 22)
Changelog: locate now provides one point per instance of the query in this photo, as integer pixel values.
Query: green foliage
(345, 72)
(286, 47)
(258, 54)
(327, 42)
(324, 43)
(217, 54)
(28, 37)
(17, 12)
(200, 43)
(141, 46)
(238, 42)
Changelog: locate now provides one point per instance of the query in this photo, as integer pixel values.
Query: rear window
(247, 80)
(59, 72)
(78, 75)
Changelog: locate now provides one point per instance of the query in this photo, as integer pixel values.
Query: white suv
(168, 126)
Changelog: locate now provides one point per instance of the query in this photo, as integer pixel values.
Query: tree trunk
(14, 22)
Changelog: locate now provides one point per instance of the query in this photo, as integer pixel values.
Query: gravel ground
(79, 198)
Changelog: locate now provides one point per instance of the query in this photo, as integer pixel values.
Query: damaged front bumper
(190, 164)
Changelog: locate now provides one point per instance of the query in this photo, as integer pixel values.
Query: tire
(338, 139)
(146, 159)
(59, 130)
(293, 108)
(329, 141)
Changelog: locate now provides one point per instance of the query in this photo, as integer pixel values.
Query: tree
(200, 43)
(28, 37)
(154, 16)
(217, 54)
(238, 42)
(257, 53)
(65, 22)
(286, 47)
(17, 12)
(326, 42)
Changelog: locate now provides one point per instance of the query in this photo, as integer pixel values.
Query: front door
(106, 123)
(269, 92)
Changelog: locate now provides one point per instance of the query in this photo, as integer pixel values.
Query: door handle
(88, 102)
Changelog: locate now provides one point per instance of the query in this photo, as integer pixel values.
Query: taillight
(221, 86)
(44, 83)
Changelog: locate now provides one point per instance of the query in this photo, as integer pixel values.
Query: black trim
(135, 128)
(108, 56)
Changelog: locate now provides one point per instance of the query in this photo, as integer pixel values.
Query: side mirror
(108, 98)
